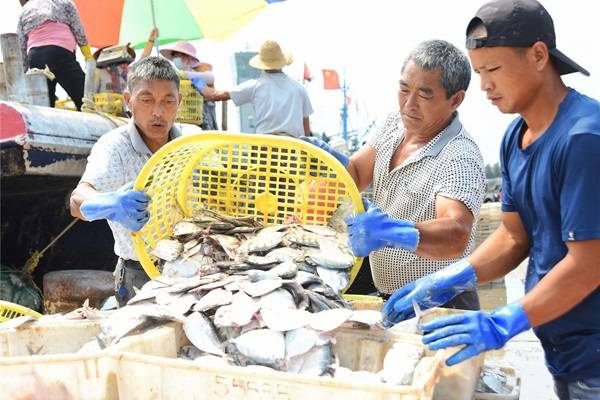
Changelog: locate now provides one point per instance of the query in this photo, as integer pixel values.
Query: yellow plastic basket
(66, 104)
(110, 103)
(10, 310)
(191, 108)
(265, 176)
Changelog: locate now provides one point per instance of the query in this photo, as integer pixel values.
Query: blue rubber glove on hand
(199, 84)
(374, 229)
(476, 331)
(429, 291)
(341, 157)
(125, 206)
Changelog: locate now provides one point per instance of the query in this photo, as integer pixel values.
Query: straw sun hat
(271, 57)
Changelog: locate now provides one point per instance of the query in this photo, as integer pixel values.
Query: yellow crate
(191, 108)
(10, 310)
(110, 103)
(66, 104)
(265, 176)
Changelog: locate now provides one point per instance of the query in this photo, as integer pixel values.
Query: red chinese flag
(307, 76)
(330, 79)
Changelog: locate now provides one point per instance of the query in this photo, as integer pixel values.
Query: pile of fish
(248, 294)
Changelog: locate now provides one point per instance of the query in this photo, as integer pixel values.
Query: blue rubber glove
(199, 84)
(476, 331)
(429, 291)
(125, 206)
(341, 157)
(374, 229)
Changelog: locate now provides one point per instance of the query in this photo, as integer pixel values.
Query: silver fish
(334, 278)
(186, 228)
(300, 341)
(400, 361)
(284, 319)
(181, 267)
(259, 260)
(318, 361)
(370, 318)
(277, 298)
(167, 250)
(322, 230)
(282, 254)
(260, 288)
(329, 320)
(237, 314)
(265, 241)
(303, 238)
(331, 257)
(190, 353)
(339, 216)
(201, 333)
(213, 299)
(229, 243)
(263, 347)
(284, 270)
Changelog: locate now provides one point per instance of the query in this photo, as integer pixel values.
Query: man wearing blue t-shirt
(550, 160)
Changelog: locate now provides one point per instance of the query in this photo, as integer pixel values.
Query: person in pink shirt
(49, 32)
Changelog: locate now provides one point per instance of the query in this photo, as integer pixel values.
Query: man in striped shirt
(427, 174)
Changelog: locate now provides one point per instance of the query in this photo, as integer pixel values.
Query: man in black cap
(550, 158)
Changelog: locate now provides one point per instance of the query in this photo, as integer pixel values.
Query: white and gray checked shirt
(449, 165)
(116, 159)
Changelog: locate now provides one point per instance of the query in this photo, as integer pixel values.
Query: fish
(334, 278)
(321, 230)
(330, 257)
(282, 254)
(284, 270)
(339, 216)
(213, 299)
(299, 341)
(284, 319)
(168, 250)
(303, 238)
(265, 241)
(237, 314)
(329, 320)
(261, 346)
(181, 267)
(318, 361)
(260, 288)
(400, 361)
(277, 298)
(201, 332)
(185, 228)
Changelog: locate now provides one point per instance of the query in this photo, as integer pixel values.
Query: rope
(33, 261)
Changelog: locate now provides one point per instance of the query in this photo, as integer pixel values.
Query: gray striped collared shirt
(449, 165)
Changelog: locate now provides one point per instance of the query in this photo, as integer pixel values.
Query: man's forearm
(443, 238)
(570, 281)
(81, 193)
(498, 255)
(211, 94)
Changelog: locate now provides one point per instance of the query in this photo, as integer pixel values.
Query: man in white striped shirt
(427, 174)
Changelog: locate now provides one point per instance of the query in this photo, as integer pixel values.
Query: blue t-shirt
(554, 185)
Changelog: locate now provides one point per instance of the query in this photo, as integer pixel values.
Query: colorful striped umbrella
(109, 22)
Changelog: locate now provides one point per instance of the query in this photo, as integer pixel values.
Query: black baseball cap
(519, 23)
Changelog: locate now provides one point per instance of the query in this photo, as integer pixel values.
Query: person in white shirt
(105, 190)
(281, 104)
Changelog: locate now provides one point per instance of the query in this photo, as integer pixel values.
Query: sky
(367, 41)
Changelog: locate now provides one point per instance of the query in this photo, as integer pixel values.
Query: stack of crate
(490, 216)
